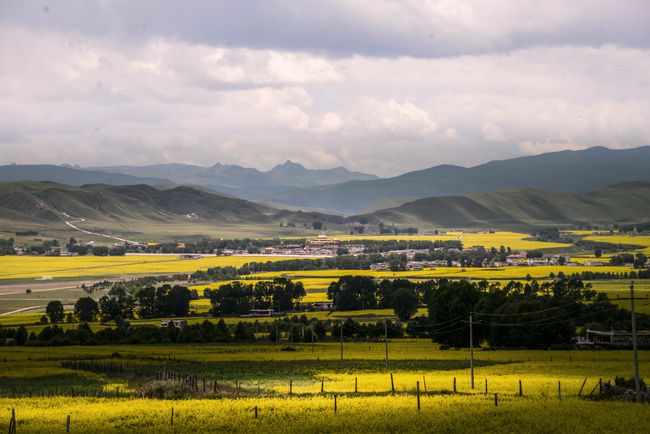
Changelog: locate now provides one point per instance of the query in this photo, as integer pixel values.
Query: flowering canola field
(514, 240)
(19, 267)
(266, 370)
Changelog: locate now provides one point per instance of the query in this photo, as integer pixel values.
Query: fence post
(454, 384)
(171, 421)
(255, 412)
(335, 403)
(356, 385)
(486, 389)
(559, 390)
(12, 422)
(581, 387)
(392, 384)
(417, 388)
(496, 400)
(322, 384)
(600, 385)
(521, 391)
(67, 424)
(290, 387)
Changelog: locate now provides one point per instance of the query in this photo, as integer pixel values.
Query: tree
(100, 251)
(55, 312)
(405, 303)
(353, 293)
(448, 303)
(242, 333)
(317, 225)
(86, 309)
(598, 253)
(640, 260)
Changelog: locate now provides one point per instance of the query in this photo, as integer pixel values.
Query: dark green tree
(405, 303)
(55, 311)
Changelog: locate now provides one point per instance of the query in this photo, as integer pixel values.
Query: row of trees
(239, 298)
(638, 261)
(119, 305)
(475, 257)
(284, 330)
(7, 246)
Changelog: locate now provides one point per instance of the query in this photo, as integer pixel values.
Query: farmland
(292, 386)
(258, 375)
(30, 267)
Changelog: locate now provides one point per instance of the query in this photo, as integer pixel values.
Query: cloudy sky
(383, 86)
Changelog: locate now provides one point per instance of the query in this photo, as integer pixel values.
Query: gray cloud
(378, 86)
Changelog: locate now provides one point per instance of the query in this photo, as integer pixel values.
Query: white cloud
(493, 133)
(395, 118)
(330, 123)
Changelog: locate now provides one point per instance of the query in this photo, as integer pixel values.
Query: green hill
(139, 208)
(514, 208)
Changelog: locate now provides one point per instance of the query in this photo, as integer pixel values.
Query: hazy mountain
(566, 171)
(242, 181)
(43, 202)
(513, 208)
(72, 175)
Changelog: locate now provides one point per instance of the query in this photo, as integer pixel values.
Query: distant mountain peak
(289, 165)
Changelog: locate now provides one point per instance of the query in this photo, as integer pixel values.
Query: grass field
(258, 375)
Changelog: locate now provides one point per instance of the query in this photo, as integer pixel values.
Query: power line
(538, 323)
(524, 313)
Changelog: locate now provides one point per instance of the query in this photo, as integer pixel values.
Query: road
(81, 220)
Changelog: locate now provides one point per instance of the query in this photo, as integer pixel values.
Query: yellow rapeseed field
(18, 267)
(514, 240)
(503, 273)
(372, 408)
(354, 414)
(639, 240)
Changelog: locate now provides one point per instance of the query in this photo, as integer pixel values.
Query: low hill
(512, 208)
(566, 171)
(72, 175)
(45, 202)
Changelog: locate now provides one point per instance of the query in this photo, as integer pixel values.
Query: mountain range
(568, 187)
(565, 171)
(238, 181)
(157, 210)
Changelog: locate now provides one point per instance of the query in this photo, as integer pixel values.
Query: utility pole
(386, 341)
(471, 350)
(341, 339)
(637, 382)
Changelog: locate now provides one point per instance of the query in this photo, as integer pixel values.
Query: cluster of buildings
(520, 259)
(322, 245)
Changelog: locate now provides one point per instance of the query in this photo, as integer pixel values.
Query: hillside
(566, 171)
(513, 208)
(45, 203)
(72, 175)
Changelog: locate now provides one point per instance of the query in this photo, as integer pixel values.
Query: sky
(380, 86)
